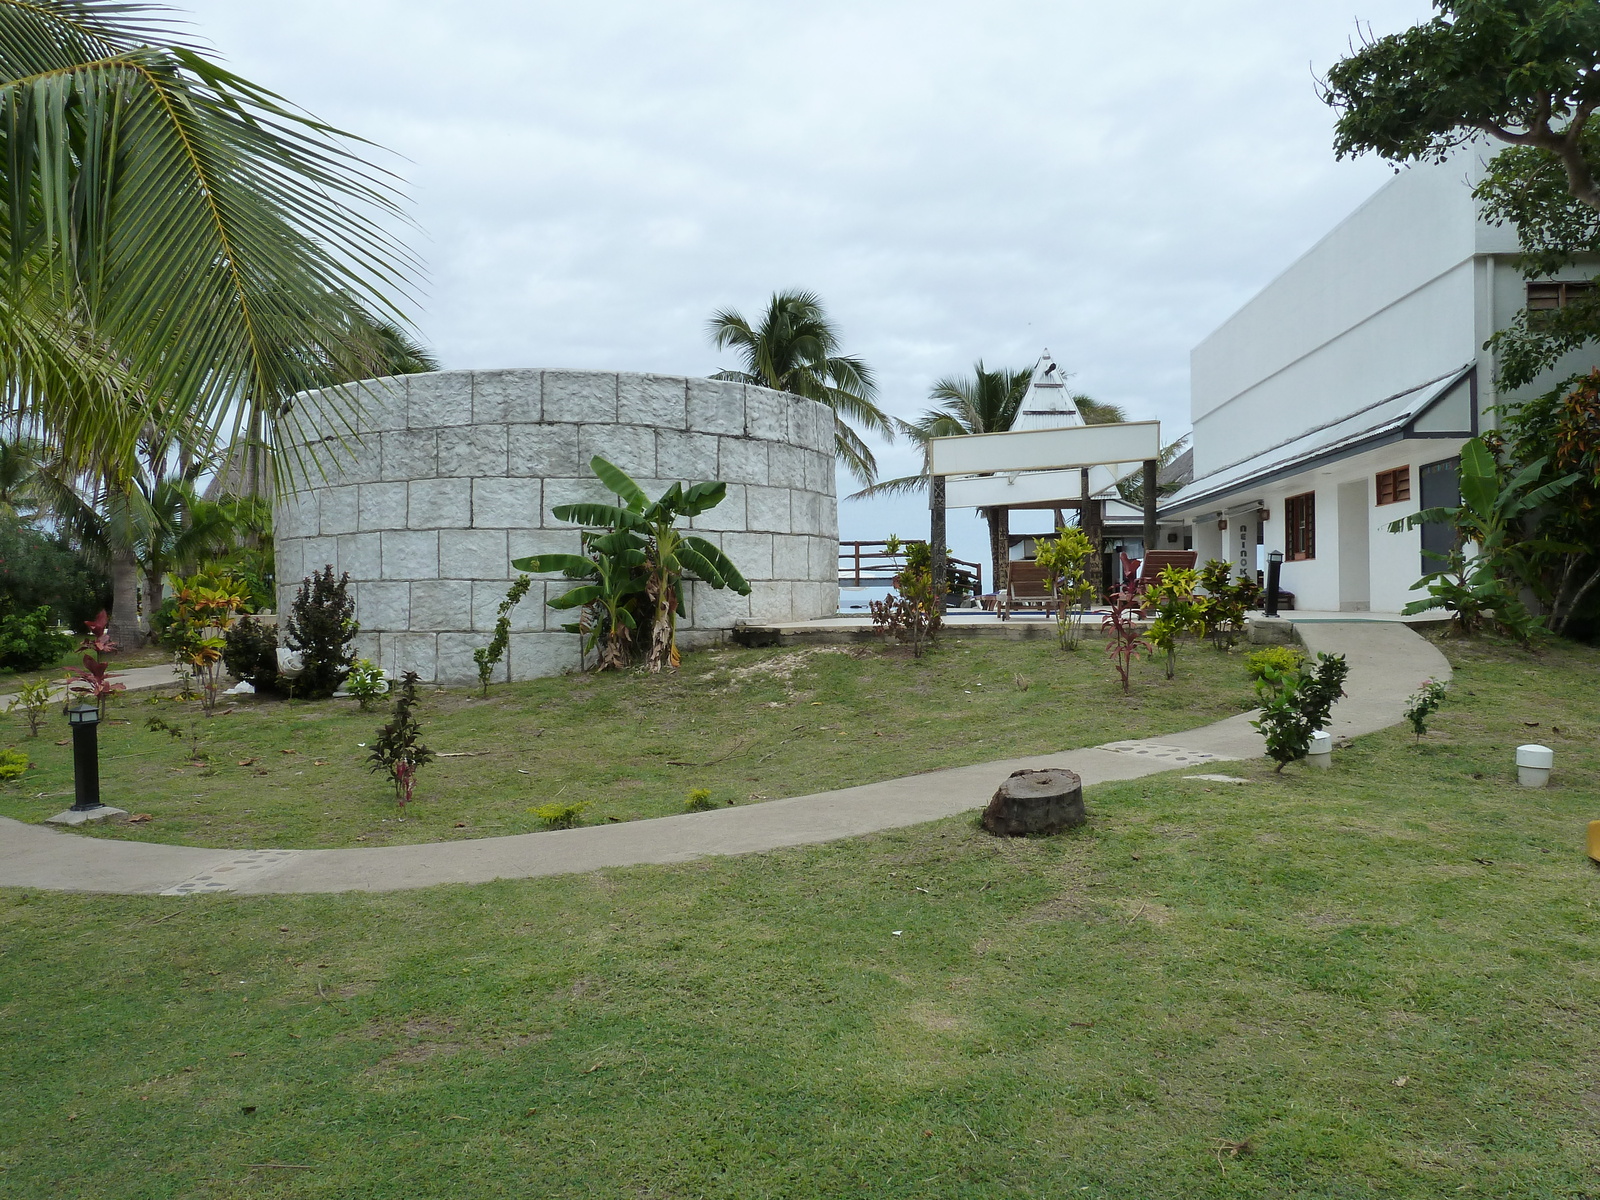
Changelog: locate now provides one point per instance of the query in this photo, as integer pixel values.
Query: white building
(1337, 400)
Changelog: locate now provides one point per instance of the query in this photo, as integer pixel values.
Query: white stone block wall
(426, 487)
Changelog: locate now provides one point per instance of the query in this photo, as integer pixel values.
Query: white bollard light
(1533, 765)
(1321, 752)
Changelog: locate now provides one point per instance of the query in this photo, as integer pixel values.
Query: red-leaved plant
(1125, 640)
(92, 681)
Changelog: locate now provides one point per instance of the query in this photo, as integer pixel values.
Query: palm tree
(180, 249)
(795, 348)
(1098, 412)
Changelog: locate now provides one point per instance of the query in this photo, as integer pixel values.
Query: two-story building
(1337, 400)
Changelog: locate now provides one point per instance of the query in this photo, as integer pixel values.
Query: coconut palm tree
(180, 249)
(795, 348)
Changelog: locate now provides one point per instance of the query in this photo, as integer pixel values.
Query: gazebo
(1050, 460)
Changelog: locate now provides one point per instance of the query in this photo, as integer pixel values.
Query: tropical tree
(795, 348)
(668, 552)
(1524, 73)
(180, 249)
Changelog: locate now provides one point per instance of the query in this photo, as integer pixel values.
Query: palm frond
(224, 248)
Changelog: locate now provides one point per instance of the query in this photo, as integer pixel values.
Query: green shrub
(29, 641)
(1293, 707)
(398, 750)
(366, 682)
(698, 800)
(1282, 659)
(33, 698)
(321, 625)
(559, 814)
(250, 653)
(1423, 703)
(12, 764)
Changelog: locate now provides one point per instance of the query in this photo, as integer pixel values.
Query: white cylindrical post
(1321, 752)
(1533, 765)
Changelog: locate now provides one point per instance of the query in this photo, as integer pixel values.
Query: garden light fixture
(85, 722)
(1274, 571)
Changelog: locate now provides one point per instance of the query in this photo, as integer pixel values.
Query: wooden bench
(1157, 561)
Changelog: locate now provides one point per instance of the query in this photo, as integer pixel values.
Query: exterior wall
(447, 477)
(1384, 302)
(1392, 561)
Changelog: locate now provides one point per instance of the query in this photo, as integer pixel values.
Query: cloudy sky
(957, 180)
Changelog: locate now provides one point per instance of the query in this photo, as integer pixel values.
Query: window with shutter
(1300, 527)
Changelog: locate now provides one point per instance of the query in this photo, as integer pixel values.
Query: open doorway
(1355, 563)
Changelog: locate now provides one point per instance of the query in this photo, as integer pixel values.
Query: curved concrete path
(1387, 663)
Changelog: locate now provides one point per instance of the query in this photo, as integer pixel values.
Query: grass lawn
(1379, 980)
(745, 724)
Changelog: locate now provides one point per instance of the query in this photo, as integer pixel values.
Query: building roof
(1390, 419)
(1047, 404)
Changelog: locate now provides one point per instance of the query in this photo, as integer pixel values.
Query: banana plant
(1495, 506)
(613, 572)
(668, 552)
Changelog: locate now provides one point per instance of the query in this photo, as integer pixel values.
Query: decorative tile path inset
(223, 877)
(1176, 755)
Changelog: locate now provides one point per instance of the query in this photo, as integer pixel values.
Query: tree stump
(1036, 802)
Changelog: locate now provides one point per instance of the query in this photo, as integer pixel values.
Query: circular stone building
(452, 475)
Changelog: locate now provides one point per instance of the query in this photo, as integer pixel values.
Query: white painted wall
(1383, 303)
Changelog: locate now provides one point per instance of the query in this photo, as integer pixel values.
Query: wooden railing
(869, 564)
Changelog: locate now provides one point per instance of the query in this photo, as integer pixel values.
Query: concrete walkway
(1387, 663)
(133, 679)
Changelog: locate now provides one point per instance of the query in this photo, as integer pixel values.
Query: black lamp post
(85, 722)
(1274, 571)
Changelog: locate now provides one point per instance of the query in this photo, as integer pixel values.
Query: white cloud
(957, 180)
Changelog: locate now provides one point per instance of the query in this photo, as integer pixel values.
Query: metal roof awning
(1441, 407)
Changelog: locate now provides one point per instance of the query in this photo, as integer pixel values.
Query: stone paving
(1387, 663)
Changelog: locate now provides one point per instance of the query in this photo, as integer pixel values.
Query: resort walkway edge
(1387, 663)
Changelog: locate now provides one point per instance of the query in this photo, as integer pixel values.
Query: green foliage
(38, 568)
(1515, 69)
(1423, 703)
(31, 640)
(698, 800)
(186, 249)
(33, 699)
(321, 625)
(1294, 706)
(488, 656)
(912, 613)
(1178, 611)
(636, 547)
(366, 682)
(398, 751)
(1561, 430)
(203, 609)
(1226, 601)
(1496, 503)
(1524, 72)
(13, 765)
(1277, 661)
(560, 814)
(795, 348)
(1065, 562)
(250, 653)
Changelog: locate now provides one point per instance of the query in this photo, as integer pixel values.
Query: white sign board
(1045, 449)
(1036, 487)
